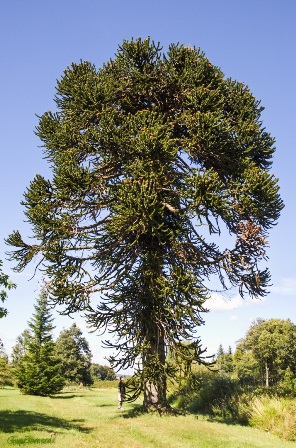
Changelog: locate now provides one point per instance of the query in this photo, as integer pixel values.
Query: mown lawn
(90, 418)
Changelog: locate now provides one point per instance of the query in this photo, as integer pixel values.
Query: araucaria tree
(152, 157)
(38, 370)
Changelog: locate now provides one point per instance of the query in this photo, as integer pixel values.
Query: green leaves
(270, 345)
(73, 352)
(7, 285)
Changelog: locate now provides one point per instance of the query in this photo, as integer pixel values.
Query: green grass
(90, 418)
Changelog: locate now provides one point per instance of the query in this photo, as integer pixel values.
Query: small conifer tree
(39, 372)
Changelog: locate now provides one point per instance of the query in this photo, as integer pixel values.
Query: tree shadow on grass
(11, 421)
(66, 394)
(57, 397)
(105, 405)
(136, 411)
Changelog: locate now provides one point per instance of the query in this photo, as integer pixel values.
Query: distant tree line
(265, 357)
(6, 284)
(42, 366)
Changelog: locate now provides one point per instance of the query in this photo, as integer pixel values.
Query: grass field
(90, 418)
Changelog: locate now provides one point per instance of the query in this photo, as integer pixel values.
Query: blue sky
(252, 41)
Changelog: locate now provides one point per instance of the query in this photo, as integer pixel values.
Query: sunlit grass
(90, 418)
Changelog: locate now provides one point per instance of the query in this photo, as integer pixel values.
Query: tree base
(162, 409)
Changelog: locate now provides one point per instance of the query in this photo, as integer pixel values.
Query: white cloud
(233, 317)
(287, 287)
(218, 302)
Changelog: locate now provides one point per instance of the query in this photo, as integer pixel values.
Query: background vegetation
(256, 385)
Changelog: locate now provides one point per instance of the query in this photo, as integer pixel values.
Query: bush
(275, 415)
(210, 393)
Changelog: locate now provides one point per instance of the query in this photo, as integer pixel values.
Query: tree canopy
(19, 349)
(102, 373)
(7, 284)
(153, 156)
(271, 345)
(5, 372)
(74, 354)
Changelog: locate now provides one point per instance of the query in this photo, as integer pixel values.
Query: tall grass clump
(275, 415)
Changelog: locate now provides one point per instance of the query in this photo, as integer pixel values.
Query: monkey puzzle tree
(152, 156)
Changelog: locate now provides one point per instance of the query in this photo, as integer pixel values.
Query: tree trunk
(266, 375)
(155, 391)
(155, 394)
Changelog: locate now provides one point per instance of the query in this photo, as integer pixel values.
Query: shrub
(208, 392)
(275, 415)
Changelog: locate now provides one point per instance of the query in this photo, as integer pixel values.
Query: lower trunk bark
(155, 394)
(155, 390)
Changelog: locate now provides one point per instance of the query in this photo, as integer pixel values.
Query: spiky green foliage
(38, 371)
(152, 156)
(74, 354)
(7, 284)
